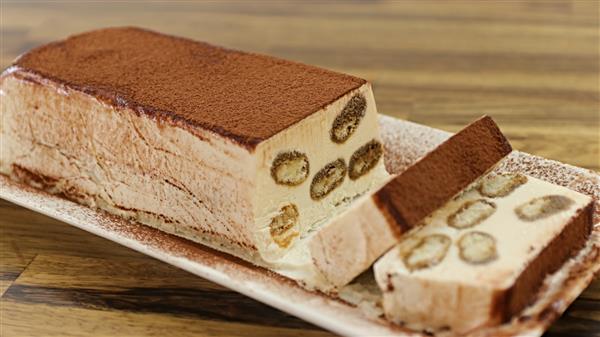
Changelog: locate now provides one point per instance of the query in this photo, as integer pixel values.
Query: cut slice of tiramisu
(482, 257)
(354, 239)
(240, 151)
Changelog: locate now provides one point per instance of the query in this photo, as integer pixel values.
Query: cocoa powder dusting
(243, 96)
(435, 178)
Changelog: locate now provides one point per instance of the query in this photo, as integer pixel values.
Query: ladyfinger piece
(240, 151)
(502, 237)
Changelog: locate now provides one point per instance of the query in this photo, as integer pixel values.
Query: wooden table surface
(532, 65)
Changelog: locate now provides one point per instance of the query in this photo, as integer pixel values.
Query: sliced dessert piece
(240, 151)
(481, 258)
(353, 240)
(344, 245)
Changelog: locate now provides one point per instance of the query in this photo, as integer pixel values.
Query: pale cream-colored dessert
(352, 241)
(481, 258)
(239, 151)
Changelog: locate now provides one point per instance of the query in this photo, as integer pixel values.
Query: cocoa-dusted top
(442, 173)
(244, 96)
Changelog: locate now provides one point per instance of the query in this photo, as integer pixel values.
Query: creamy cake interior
(481, 257)
(336, 172)
(239, 151)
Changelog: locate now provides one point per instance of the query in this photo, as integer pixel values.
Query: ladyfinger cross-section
(239, 151)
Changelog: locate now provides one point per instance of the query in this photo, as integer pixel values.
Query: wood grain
(532, 65)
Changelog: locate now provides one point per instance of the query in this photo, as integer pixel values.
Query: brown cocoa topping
(245, 97)
(444, 172)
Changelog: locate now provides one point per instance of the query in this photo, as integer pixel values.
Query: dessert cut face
(318, 165)
(462, 269)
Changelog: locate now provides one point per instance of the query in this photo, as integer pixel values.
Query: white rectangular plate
(559, 291)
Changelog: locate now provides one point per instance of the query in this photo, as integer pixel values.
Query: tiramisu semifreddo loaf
(239, 151)
(482, 257)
